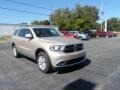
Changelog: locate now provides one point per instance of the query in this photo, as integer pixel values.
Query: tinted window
(23, 32)
(89, 32)
(80, 32)
(15, 32)
(72, 32)
(46, 32)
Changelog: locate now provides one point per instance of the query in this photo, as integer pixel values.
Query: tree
(113, 24)
(88, 16)
(98, 26)
(45, 22)
(61, 18)
(79, 18)
(35, 22)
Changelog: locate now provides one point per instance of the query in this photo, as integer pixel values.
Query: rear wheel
(107, 36)
(44, 63)
(15, 52)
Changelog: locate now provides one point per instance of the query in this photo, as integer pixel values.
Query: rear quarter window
(15, 32)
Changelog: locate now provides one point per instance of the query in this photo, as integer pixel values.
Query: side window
(73, 32)
(76, 33)
(27, 31)
(15, 32)
(23, 32)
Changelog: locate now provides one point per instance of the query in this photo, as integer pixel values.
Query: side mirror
(28, 36)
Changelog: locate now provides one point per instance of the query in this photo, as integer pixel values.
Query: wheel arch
(13, 44)
(39, 50)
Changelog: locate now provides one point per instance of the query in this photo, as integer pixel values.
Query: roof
(39, 26)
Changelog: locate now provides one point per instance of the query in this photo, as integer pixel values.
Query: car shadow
(74, 68)
(80, 84)
(28, 58)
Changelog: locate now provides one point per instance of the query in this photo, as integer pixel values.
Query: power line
(23, 11)
(30, 5)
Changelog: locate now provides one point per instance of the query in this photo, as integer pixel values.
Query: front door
(25, 44)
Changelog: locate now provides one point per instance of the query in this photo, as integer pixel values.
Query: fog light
(61, 63)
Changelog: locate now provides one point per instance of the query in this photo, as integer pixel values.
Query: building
(8, 29)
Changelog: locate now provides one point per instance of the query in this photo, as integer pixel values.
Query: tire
(80, 38)
(107, 36)
(97, 36)
(43, 62)
(15, 52)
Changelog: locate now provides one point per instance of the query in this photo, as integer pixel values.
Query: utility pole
(101, 15)
(105, 29)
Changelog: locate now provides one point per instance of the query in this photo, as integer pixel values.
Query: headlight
(57, 48)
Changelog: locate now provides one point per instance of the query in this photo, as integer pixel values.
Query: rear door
(19, 40)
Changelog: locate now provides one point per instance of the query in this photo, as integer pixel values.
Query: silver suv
(48, 47)
(81, 35)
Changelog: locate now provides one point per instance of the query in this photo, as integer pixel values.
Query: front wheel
(44, 63)
(80, 38)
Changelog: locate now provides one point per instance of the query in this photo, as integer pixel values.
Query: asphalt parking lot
(101, 71)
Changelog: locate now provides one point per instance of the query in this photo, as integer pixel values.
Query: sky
(110, 7)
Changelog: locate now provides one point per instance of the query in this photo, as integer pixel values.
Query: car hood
(60, 40)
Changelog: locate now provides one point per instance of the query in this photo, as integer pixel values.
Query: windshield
(46, 32)
(80, 32)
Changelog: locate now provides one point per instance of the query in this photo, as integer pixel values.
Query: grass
(5, 38)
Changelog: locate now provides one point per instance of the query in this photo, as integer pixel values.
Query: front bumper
(86, 38)
(72, 62)
(68, 59)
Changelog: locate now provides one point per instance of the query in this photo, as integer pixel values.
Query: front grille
(73, 48)
(69, 48)
(78, 47)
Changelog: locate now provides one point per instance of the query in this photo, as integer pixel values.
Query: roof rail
(50, 26)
